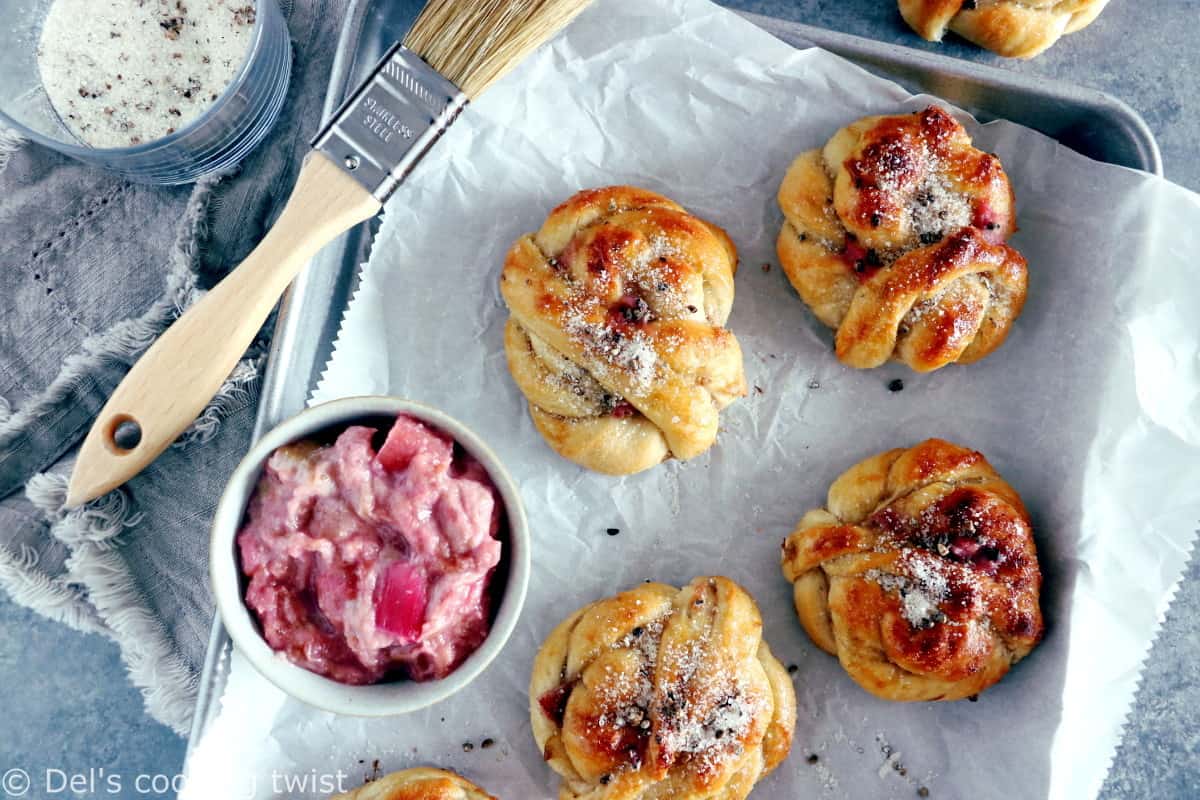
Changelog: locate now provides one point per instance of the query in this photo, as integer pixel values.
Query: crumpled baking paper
(1090, 410)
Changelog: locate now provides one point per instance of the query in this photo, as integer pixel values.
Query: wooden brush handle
(171, 384)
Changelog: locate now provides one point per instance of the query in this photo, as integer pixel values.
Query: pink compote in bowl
(370, 556)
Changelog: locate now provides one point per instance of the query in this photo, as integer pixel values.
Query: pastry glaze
(894, 235)
(616, 336)
(1012, 28)
(920, 575)
(661, 693)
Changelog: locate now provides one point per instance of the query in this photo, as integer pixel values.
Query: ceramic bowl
(388, 697)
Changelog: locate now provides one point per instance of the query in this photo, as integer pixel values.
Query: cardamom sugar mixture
(124, 72)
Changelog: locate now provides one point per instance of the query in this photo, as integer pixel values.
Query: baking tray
(1090, 122)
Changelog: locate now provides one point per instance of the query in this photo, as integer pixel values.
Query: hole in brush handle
(124, 435)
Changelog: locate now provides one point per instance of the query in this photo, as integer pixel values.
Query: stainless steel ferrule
(382, 131)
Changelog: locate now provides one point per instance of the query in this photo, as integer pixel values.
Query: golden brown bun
(1013, 28)
(894, 235)
(921, 576)
(421, 783)
(662, 693)
(616, 333)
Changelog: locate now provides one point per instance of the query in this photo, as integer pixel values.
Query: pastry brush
(455, 50)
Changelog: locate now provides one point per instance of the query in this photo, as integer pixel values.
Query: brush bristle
(474, 43)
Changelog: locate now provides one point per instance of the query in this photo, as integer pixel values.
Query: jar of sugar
(160, 91)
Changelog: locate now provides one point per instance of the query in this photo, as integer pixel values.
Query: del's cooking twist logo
(103, 782)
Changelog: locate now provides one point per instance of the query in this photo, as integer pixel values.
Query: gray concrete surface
(67, 705)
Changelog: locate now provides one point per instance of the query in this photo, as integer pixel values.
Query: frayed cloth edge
(167, 685)
(236, 393)
(53, 598)
(99, 522)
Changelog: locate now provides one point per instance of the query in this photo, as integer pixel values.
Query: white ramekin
(381, 699)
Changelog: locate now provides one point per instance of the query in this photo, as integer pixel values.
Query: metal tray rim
(309, 294)
(868, 52)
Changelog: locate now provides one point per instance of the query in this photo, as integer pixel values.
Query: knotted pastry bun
(616, 333)
(420, 783)
(662, 693)
(1013, 28)
(921, 576)
(894, 235)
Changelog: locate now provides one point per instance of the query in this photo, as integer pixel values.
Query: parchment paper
(1090, 410)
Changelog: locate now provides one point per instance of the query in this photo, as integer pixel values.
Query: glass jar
(213, 142)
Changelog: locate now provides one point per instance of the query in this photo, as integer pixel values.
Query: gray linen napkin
(92, 268)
